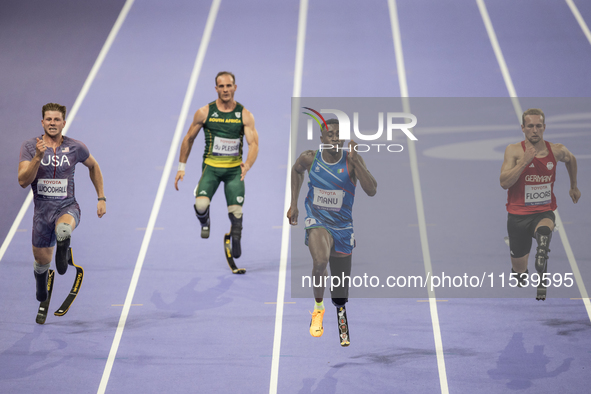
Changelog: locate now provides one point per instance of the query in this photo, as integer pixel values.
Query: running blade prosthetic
(63, 309)
(228, 254)
(343, 326)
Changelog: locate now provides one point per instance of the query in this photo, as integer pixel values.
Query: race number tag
(309, 222)
(226, 146)
(329, 200)
(52, 188)
(538, 194)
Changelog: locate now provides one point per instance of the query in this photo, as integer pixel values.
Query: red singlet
(534, 190)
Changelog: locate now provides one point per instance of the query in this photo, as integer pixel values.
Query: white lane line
(16, 224)
(280, 290)
(297, 89)
(559, 224)
(160, 194)
(72, 114)
(300, 49)
(418, 197)
(500, 58)
(579, 19)
(573, 264)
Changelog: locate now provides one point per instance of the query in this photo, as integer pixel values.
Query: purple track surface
(195, 327)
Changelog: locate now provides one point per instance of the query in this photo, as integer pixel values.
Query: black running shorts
(211, 178)
(521, 230)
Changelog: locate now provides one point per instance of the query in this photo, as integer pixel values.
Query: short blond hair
(533, 111)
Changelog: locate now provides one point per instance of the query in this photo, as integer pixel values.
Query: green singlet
(224, 132)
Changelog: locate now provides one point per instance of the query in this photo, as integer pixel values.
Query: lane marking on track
(579, 18)
(435, 300)
(297, 89)
(414, 168)
(160, 193)
(124, 305)
(500, 58)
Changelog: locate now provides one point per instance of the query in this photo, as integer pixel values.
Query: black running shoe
(205, 229)
(236, 233)
(204, 221)
(41, 280)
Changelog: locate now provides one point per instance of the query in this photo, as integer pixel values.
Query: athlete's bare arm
(302, 164)
(96, 176)
(252, 139)
(564, 155)
(198, 120)
(359, 171)
(27, 170)
(515, 161)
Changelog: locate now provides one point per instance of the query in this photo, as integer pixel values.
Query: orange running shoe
(316, 328)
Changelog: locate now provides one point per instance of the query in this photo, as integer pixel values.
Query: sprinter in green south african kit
(225, 122)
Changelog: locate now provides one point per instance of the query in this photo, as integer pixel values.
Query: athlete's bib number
(52, 188)
(329, 200)
(226, 146)
(538, 194)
